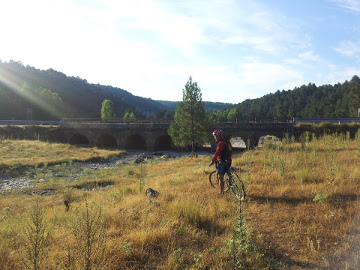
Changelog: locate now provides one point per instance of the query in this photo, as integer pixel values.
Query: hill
(339, 100)
(27, 92)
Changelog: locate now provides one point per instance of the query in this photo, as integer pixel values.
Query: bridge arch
(135, 142)
(150, 136)
(106, 140)
(163, 142)
(272, 139)
(78, 138)
(237, 142)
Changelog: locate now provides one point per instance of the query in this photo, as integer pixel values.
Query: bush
(321, 197)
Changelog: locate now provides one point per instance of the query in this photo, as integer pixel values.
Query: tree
(51, 103)
(129, 116)
(190, 124)
(233, 113)
(107, 109)
(354, 102)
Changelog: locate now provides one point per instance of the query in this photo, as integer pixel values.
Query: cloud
(348, 48)
(352, 5)
(310, 56)
(150, 48)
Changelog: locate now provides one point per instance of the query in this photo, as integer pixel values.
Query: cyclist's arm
(219, 148)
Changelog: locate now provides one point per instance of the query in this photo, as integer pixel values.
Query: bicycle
(232, 180)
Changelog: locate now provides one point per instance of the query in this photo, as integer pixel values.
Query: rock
(122, 210)
(151, 193)
(41, 192)
(140, 158)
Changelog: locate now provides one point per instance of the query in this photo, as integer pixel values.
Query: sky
(234, 49)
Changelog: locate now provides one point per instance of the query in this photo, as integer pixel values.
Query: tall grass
(303, 200)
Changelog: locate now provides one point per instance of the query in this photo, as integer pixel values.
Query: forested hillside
(51, 94)
(30, 93)
(339, 100)
(27, 92)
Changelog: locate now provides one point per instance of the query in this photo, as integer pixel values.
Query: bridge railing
(253, 120)
(28, 122)
(168, 120)
(330, 120)
(117, 120)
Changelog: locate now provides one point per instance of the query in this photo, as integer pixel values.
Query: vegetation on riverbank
(19, 153)
(303, 206)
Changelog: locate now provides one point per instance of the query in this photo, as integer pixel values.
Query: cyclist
(223, 156)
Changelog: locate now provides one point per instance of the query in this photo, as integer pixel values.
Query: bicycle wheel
(237, 186)
(213, 179)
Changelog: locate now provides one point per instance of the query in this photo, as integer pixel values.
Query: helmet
(217, 132)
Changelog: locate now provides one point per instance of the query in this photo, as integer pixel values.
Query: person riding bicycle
(223, 156)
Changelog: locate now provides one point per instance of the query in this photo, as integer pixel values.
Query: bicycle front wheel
(237, 186)
(213, 179)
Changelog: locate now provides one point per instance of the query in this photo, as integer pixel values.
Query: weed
(321, 197)
(88, 228)
(36, 236)
(68, 198)
(177, 262)
(126, 246)
(302, 175)
(141, 177)
(241, 248)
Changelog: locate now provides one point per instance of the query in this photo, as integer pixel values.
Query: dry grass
(37, 153)
(302, 215)
(303, 209)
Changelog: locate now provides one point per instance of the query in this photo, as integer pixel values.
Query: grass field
(302, 212)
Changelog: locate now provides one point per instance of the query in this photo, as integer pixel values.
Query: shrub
(321, 197)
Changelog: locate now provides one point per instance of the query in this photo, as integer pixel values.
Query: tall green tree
(51, 103)
(354, 102)
(107, 109)
(191, 125)
(129, 116)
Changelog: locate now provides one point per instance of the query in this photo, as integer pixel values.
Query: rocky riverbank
(71, 171)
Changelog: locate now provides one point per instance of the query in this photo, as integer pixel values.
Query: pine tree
(354, 103)
(191, 125)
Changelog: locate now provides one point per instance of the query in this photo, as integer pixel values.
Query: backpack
(230, 149)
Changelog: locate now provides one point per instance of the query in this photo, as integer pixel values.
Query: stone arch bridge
(153, 136)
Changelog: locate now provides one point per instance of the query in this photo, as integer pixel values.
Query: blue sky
(233, 49)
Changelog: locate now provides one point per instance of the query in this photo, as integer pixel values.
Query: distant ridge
(80, 99)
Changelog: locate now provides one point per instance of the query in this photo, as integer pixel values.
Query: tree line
(27, 92)
(339, 100)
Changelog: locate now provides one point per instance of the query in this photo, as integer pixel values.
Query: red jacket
(222, 151)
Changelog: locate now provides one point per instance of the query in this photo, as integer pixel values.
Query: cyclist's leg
(221, 170)
(221, 183)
